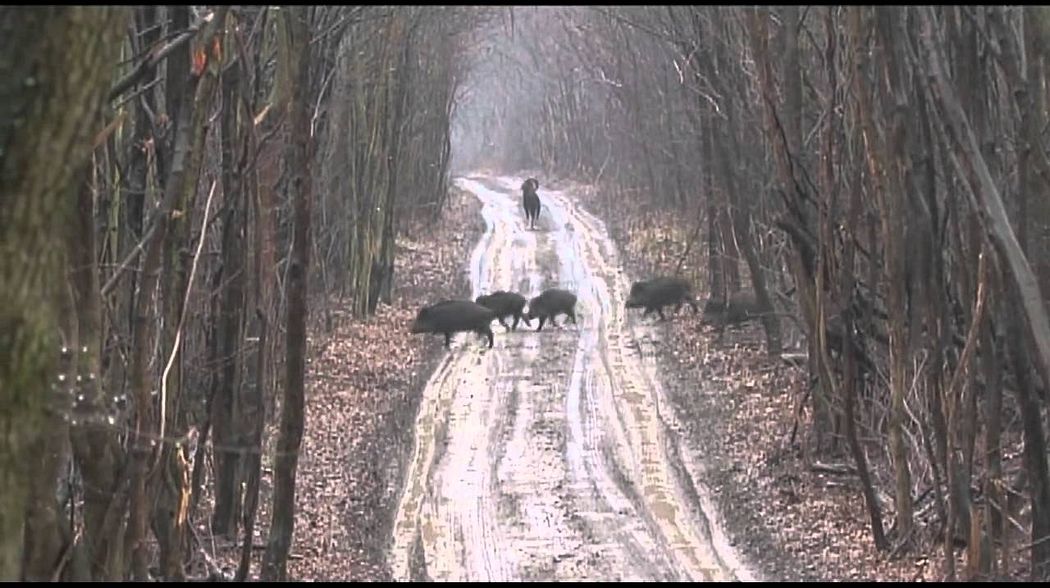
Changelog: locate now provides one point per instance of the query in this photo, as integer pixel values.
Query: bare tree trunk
(258, 380)
(1035, 448)
(298, 159)
(96, 443)
(850, 380)
(224, 413)
(878, 532)
(994, 504)
(186, 159)
(55, 67)
(791, 78)
(715, 268)
(1034, 205)
(738, 209)
(887, 178)
(971, 165)
(47, 532)
(796, 223)
(254, 413)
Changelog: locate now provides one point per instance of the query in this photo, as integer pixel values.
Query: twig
(137, 93)
(133, 77)
(112, 281)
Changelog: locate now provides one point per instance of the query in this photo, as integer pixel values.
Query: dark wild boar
(657, 293)
(505, 304)
(741, 308)
(454, 316)
(550, 304)
(531, 201)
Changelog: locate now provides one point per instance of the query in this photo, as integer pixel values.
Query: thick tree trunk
(96, 440)
(47, 531)
(56, 64)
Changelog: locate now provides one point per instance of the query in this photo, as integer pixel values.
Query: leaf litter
(364, 380)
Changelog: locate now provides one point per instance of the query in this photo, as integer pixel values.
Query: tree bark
(987, 200)
(1035, 448)
(298, 161)
(96, 441)
(224, 406)
(186, 160)
(56, 64)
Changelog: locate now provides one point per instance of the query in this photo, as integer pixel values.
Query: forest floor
(795, 519)
(364, 379)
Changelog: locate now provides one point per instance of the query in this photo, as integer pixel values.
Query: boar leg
(487, 332)
(448, 340)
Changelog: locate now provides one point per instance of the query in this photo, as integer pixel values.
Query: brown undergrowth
(794, 519)
(364, 381)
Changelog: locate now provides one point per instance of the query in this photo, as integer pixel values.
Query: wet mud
(555, 455)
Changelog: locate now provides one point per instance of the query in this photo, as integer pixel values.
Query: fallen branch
(839, 469)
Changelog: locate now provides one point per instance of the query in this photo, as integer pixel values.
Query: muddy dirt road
(553, 456)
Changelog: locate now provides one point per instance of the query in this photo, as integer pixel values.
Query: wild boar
(741, 308)
(659, 292)
(505, 304)
(531, 201)
(550, 304)
(454, 316)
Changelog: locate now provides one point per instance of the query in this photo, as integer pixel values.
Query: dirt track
(552, 455)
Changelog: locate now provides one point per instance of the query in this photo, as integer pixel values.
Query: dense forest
(188, 192)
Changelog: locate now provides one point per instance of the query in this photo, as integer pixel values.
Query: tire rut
(548, 457)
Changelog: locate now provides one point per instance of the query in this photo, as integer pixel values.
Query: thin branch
(112, 281)
(182, 318)
(137, 93)
(157, 56)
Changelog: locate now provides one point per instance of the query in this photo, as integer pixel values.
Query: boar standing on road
(454, 316)
(550, 304)
(531, 201)
(657, 293)
(505, 304)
